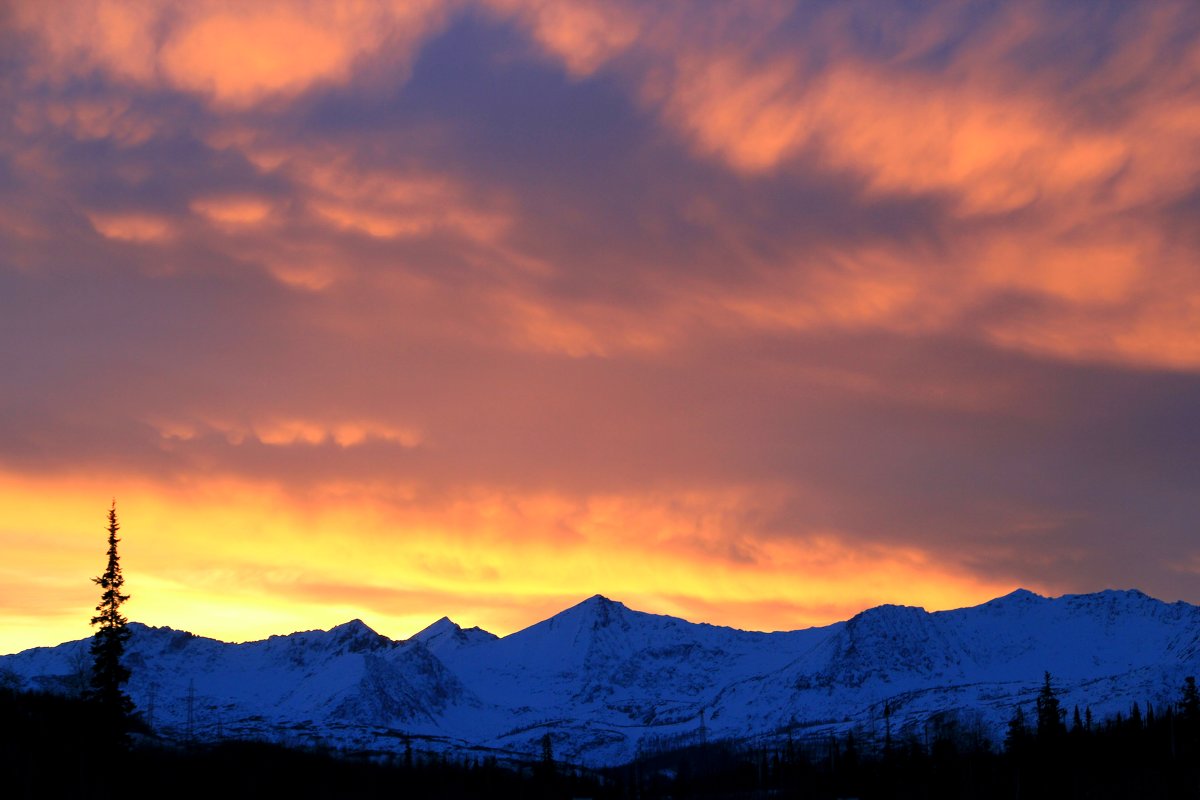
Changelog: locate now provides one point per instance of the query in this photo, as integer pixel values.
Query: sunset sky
(753, 313)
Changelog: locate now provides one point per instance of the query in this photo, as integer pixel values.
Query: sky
(758, 313)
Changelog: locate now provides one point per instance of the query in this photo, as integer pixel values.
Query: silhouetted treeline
(1147, 752)
(47, 750)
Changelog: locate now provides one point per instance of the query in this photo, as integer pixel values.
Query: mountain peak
(446, 635)
(889, 611)
(598, 607)
(593, 613)
(1130, 594)
(356, 636)
(354, 626)
(1016, 596)
(896, 608)
(443, 626)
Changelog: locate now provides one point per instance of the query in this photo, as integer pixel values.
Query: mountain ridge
(607, 681)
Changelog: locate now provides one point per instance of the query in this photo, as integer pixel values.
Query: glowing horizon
(227, 593)
(757, 316)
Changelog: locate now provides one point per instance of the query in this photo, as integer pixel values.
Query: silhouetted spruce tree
(1050, 714)
(548, 767)
(1189, 718)
(108, 643)
(546, 772)
(1189, 703)
(1016, 738)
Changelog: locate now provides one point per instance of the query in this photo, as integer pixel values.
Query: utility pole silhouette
(191, 711)
(151, 695)
(703, 729)
(887, 720)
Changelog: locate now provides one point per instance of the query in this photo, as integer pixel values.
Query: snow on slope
(1106, 650)
(606, 681)
(304, 687)
(598, 676)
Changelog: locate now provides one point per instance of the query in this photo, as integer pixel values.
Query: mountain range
(608, 683)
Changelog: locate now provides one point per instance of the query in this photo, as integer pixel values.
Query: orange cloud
(133, 227)
(235, 54)
(1100, 267)
(580, 331)
(312, 277)
(994, 150)
(85, 118)
(1048, 152)
(330, 192)
(235, 211)
(1160, 334)
(239, 58)
(344, 434)
(395, 205)
(583, 34)
(292, 431)
(108, 35)
(993, 138)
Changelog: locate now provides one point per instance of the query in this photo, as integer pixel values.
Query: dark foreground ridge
(47, 749)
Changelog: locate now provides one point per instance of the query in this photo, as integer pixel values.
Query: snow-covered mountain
(607, 682)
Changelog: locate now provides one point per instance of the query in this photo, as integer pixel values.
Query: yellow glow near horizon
(239, 562)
